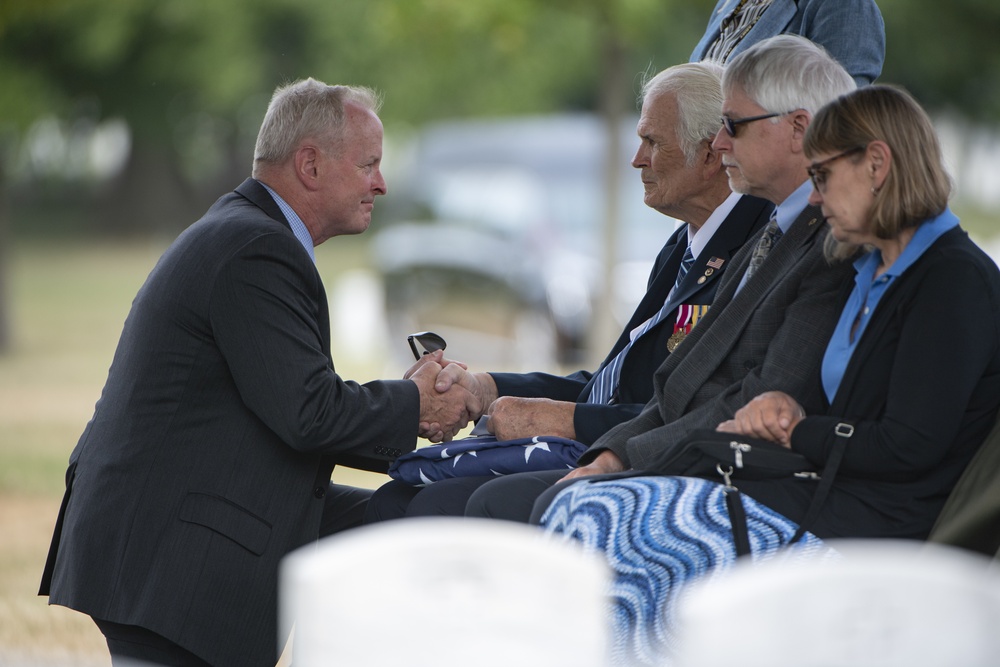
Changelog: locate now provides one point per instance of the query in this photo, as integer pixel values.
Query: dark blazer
(211, 447)
(769, 336)
(922, 390)
(636, 386)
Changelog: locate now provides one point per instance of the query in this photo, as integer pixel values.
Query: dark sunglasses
(427, 341)
(730, 124)
(818, 172)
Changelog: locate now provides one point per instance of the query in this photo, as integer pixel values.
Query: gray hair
(786, 73)
(307, 109)
(697, 87)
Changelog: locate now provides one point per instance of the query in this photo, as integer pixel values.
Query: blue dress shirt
(295, 222)
(868, 291)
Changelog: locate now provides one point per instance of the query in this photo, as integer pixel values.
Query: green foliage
(945, 53)
(151, 62)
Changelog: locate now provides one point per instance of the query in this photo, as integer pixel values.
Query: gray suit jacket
(210, 451)
(769, 336)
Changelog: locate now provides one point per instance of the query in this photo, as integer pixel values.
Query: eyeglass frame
(816, 171)
(428, 340)
(730, 124)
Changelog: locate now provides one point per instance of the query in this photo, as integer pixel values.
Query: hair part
(917, 186)
(786, 73)
(307, 109)
(697, 88)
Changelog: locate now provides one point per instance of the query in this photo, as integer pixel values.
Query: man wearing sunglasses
(684, 179)
(776, 305)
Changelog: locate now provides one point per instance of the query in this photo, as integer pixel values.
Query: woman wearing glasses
(910, 377)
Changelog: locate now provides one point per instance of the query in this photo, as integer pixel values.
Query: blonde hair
(917, 186)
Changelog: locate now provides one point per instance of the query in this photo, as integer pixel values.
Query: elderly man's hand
(514, 417)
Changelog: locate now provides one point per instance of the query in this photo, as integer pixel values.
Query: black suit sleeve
(265, 317)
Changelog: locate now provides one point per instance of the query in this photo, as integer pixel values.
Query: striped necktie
(606, 382)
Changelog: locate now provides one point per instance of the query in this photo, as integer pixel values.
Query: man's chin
(738, 185)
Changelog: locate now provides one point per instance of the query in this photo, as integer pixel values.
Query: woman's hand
(606, 462)
(771, 416)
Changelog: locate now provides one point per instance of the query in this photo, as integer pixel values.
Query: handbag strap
(737, 513)
(842, 433)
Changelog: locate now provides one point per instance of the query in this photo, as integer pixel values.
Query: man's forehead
(737, 99)
(657, 110)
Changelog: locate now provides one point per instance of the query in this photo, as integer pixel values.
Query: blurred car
(506, 216)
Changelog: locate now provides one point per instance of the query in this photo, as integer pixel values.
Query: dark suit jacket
(769, 336)
(210, 450)
(922, 390)
(636, 379)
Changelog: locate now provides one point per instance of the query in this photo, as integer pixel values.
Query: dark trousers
(132, 646)
(398, 500)
(510, 497)
(522, 497)
(343, 508)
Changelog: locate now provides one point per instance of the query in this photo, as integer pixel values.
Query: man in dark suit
(209, 454)
(775, 307)
(684, 179)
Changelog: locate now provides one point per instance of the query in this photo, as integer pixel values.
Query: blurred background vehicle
(497, 235)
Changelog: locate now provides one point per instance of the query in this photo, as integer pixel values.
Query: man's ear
(306, 161)
(709, 160)
(800, 119)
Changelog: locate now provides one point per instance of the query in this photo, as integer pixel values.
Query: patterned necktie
(772, 234)
(608, 377)
(686, 263)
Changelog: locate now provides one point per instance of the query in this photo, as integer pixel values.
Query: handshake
(451, 397)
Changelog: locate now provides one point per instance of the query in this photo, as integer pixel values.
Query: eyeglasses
(730, 124)
(818, 172)
(428, 341)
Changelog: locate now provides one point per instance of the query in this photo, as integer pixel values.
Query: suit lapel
(256, 193)
(792, 245)
(659, 287)
(731, 312)
(724, 244)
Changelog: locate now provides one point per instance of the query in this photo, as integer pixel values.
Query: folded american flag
(485, 455)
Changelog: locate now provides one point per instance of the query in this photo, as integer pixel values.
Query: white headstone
(882, 604)
(445, 592)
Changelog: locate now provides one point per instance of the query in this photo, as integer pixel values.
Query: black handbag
(707, 453)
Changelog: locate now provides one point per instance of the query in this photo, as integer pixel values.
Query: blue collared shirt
(295, 222)
(868, 291)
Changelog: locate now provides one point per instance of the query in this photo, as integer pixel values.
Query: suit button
(319, 491)
(749, 364)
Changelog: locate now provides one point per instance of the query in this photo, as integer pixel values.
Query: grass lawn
(68, 303)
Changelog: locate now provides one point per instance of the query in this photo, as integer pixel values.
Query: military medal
(687, 316)
(675, 339)
(681, 327)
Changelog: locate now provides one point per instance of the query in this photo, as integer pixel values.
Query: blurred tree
(190, 78)
(945, 54)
